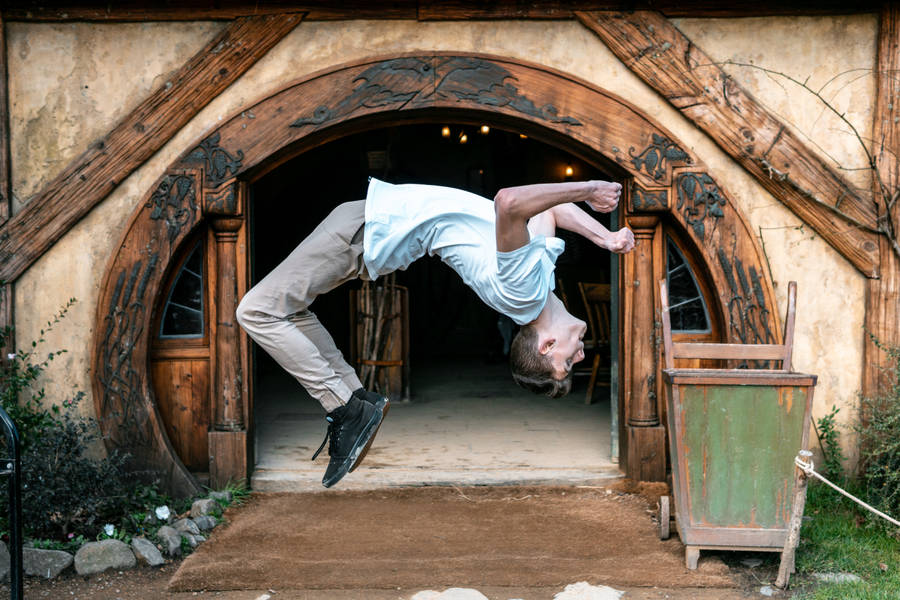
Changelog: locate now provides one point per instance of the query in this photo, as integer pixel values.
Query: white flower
(162, 513)
(109, 530)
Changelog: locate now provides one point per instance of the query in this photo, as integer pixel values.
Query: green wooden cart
(733, 436)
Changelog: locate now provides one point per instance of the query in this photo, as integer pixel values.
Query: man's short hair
(533, 370)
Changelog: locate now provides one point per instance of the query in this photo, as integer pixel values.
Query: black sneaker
(381, 404)
(351, 429)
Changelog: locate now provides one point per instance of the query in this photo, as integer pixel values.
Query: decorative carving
(748, 316)
(483, 82)
(658, 156)
(120, 380)
(175, 202)
(648, 200)
(699, 198)
(404, 80)
(218, 163)
(221, 202)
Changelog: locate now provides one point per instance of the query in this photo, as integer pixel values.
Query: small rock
(264, 597)
(837, 577)
(186, 526)
(45, 563)
(752, 562)
(205, 522)
(4, 562)
(585, 591)
(147, 552)
(204, 507)
(150, 519)
(460, 594)
(191, 539)
(767, 590)
(224, 496)
(426, 595)
(171, 539)
(96, 557)
(200, 538)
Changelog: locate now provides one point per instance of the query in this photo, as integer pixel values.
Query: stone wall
(70, 83)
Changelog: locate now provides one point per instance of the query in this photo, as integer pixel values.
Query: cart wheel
(663, 517)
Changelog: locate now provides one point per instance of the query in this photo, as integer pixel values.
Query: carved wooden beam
(5, 178)
(6, 289)
(96, 173)
(141, 10)
(883, 295)
(657, 52)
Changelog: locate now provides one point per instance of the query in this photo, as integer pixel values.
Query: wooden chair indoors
(596, 299)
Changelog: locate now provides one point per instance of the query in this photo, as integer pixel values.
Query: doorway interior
(466, 421)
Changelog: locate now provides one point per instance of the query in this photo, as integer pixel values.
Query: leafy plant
(830, 440)
(879, 436)
(20, 396)
(63, 489)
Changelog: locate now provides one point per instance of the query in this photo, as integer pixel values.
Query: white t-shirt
(403, 222)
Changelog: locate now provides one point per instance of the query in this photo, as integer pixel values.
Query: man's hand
(604, 196)
(620, 242)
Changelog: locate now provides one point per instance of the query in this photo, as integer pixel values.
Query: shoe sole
(362, 443)
(383, 405)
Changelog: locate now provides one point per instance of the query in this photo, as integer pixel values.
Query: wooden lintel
(663, 57)
(137, 10)
(883, 295)
(96, 173)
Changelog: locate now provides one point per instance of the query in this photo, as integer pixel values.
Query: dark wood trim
(95, 174)
(5, 170)
(7, 301)
(657, 52)
(455, 10)
(883, 295)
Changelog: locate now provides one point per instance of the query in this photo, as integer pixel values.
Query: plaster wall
(831, 292)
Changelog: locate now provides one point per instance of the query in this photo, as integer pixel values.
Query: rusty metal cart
(733, 436)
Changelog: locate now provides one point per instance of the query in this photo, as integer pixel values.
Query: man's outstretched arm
(551, 205)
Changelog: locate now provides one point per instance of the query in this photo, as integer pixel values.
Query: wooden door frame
(207, 183)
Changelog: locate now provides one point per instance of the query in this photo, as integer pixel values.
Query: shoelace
(329, 435)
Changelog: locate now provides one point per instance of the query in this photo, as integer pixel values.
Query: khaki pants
(275, 312)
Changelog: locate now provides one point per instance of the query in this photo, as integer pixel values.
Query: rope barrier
(808, 468)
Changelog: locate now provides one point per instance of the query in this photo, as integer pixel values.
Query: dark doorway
(457, 349)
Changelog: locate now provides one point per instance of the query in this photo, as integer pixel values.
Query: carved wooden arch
(665, 178)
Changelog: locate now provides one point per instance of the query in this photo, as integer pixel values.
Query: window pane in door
(687, 309)
(183, 314)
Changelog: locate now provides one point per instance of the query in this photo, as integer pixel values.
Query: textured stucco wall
(829, 328)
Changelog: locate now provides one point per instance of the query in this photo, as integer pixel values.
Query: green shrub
(879, 437)
(65, 491)
(66, 494)
(21, 398)
(829, 438)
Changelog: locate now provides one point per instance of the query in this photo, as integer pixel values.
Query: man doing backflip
(504, 250)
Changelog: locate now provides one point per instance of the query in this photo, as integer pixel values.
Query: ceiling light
(445, 132)
(463, 138)
(569, 171)
(485, 130)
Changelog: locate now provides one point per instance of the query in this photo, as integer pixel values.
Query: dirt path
(150, 584)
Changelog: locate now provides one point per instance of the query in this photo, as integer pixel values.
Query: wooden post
(883, 295)
(228, 439)
(793, 538)
(6, 288)
(646, 454)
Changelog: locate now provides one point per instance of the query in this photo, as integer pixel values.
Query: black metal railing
(11, 467)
